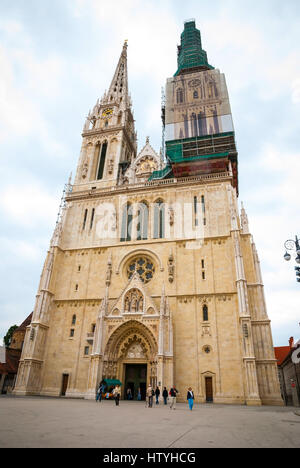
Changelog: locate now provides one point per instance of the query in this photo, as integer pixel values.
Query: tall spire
(119, 85)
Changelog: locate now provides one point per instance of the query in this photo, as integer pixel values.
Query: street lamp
(293, 245)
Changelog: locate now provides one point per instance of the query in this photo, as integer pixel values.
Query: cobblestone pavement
(60, 422)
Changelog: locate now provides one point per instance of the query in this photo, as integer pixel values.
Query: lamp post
(291, 245)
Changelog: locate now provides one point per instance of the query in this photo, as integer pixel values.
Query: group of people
(116, 392)
(172, 394)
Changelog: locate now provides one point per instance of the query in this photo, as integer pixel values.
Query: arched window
(119, 118)
(101, 164)
(179, 95)
(73, 319)
(205, 313)
(195, 95)
(126, 228)
(159, 220)
(142, 222)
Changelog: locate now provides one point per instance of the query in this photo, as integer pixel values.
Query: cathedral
(152, 275)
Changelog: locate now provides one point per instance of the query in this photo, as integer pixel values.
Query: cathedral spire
(118, 90)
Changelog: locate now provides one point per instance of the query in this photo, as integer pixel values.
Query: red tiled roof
(25, 324)
(281, 352)
(12, 361)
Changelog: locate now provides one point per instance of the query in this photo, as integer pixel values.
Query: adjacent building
(288, 358)
(10, 357)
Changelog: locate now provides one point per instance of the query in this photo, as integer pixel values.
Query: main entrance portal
(135, 378)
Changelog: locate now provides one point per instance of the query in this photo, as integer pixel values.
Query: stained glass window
(143, 266)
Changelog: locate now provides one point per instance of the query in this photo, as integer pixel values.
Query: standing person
(139, 395)
(129, 394)
(190, 398)
(99, 393)
(165, 395)
(173, 392)
(150, 396)
(157, 393)
(116, 394)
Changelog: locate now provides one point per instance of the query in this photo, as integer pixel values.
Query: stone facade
(131, 278)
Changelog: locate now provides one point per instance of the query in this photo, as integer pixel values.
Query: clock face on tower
(107, 112)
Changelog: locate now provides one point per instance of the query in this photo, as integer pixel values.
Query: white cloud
(23, 250)
(259, 62)
(26, 83)
(29, 205)
(148, 28)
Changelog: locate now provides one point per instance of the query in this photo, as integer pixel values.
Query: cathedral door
(64, 384)
(209, 389)
(135, 378)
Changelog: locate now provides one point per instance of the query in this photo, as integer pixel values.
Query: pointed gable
(134, 299)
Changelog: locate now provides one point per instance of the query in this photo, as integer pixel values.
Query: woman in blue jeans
(190, 398)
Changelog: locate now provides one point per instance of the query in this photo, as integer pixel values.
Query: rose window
(143, 266)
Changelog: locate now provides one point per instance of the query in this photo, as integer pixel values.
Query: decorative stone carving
(135, 351)
(108, 272)
(206, 331)
(171, 215)
(171, 267)
(84, 170)
(110, 166)
(134, 302)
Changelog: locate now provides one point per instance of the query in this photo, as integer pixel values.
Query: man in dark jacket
(165, 395)
(157, 393)
(173, 392)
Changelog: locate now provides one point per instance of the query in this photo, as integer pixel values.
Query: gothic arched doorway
(131, 357)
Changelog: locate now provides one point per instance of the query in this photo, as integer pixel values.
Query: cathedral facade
(152, 275)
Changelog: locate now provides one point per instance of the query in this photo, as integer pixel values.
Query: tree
(8, 336)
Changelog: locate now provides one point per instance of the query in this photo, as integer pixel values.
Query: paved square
(59, 422)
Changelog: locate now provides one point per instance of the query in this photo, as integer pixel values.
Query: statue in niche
(171, 267)
(134, 301)
(133, 305)
(110, 166)
(84, 170)
(171, 216)
(108, 272)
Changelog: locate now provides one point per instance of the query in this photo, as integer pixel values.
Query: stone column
(95, 376)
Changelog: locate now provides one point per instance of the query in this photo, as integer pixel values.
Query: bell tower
(109, 137)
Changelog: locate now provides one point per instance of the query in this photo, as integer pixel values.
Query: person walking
(99, 393)
(116, 394)
(139, 395)
(157, 393)
(165, 395)
(190, 398)
(173, 392)
(150, 396)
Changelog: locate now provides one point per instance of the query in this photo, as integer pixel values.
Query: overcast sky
(58, 56)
